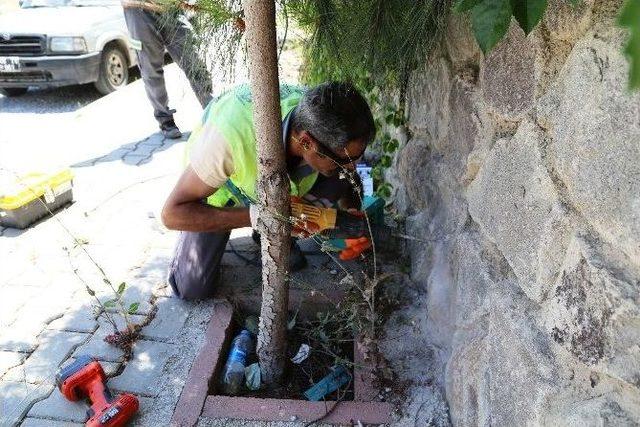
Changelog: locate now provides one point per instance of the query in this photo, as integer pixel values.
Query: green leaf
(384, 190)
(528, 13)
(464, 5)
(133, 307)
(629, 15)
(393, 145)
(121, 288)
(389, 118)
(109, 304)
(490, 20)
(630, 18)
(385, 161)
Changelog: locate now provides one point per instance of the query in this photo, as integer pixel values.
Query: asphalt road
(36, 121)
(48, 101)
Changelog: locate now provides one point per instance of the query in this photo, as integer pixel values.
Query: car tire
(114, 70)
(13, 91)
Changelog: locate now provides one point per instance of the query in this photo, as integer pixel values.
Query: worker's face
(327, 162)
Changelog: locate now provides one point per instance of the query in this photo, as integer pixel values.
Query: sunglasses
(326, 152)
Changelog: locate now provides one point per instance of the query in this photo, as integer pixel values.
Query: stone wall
(523, 167)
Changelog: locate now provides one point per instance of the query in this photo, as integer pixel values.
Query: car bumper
(51, 71)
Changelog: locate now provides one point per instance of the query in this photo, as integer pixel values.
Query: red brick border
(196, 388)
(195, 399)
(250, 408)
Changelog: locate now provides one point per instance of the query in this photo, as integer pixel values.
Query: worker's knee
(192, 288)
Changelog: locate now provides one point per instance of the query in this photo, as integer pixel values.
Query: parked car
(49, 43)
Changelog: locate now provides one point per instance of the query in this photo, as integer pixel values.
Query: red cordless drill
(86, 378)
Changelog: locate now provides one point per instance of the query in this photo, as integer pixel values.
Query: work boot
(170, 130)
(297, 260)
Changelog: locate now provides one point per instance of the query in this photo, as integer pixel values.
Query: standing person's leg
(142, 27)
(195, 268)
(181, 45)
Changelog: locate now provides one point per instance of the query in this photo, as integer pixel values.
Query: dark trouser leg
(195, 268)
(142, 27)
(181, 45)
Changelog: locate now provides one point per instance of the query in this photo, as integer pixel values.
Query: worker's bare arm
(185, 210)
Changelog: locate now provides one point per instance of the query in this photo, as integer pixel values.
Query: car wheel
(114, 70)
(13, 91)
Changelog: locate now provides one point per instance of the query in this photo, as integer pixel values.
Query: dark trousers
(195, 268)
(157, 33)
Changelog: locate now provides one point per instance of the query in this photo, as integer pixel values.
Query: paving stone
(39, 422)
(81, 319)
(241, 258)
(12, 299)
(56, 406)
(140, 292)
(53, 348)
(97, 348)
(9, 359)
(155, 140)
(141, 374)
(18, 397)
(169, 319)
(145, 149)
(115, 155)
(21, 336)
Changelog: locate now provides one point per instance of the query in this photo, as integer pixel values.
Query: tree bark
(272, 186)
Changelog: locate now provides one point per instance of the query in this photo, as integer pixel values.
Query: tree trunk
(272, 187)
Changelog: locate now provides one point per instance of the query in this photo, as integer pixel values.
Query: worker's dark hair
(335, 113)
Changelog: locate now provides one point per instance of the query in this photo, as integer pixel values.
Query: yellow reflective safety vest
(232, 116)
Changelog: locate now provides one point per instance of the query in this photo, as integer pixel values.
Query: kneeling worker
(325, 129)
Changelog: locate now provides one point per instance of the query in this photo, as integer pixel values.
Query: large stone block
(507, 76)
(514, 201)
(501, 371)
(461, 43)
(567, 22)
(428, 95)
(413, 172)
(594, 124)
(595, 315)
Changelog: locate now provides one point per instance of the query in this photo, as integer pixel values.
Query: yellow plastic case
(33, 196)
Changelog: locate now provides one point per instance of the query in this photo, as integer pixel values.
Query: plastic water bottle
(233, 374)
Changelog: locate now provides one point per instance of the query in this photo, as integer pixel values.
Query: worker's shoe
(170, 130)
(297, 260)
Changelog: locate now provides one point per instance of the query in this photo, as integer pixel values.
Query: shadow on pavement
(135, 153)
(53, 100)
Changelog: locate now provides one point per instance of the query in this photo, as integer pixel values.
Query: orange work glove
(354, 248)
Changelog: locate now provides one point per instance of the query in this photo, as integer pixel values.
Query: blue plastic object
(328, 384)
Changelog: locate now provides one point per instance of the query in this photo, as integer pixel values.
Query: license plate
(9, 64)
